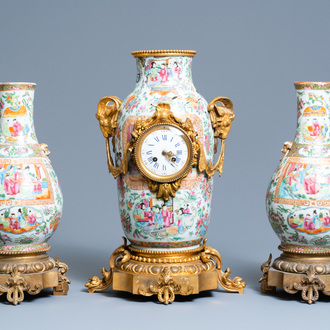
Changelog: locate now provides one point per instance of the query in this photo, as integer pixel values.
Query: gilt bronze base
(165, 274)
(31, 273)
(295, 272)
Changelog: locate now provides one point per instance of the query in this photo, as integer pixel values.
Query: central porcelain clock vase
(164, 137)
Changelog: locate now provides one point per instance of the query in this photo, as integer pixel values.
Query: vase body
(182, 221)
(30, 196)
(298, 196)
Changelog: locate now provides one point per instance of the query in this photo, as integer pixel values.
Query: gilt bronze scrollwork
(30, 274)
(221, 119)
(165, 274)
(107, 116)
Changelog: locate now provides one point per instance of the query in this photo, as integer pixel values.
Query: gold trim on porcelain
(28, 252)
(309, 252)
(163, 53)
(166, 252)
(149, 256)
(17, 86)
(312, 85)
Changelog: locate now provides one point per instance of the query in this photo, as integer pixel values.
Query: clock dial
(164, 153)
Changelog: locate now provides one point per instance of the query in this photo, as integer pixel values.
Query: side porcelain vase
(164, 173)
(30, 196)
(298, 196)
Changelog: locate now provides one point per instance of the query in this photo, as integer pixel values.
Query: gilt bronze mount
(308, 274)
(31, 273)
(165, 274)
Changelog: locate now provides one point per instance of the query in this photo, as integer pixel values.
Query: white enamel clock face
(164, 153)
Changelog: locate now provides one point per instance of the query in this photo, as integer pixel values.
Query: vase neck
(16, 106)
(163, 73)
(313, 116)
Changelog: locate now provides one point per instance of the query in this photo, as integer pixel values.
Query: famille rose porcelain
(164, 136)
(298, 196)
(30, 196)
(148, 221)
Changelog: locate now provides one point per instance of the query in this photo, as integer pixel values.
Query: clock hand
(170, 156)
(166, 154)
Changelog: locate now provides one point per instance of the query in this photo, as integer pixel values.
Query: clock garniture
(164, 138)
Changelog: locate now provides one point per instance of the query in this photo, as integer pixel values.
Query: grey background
(78, 52)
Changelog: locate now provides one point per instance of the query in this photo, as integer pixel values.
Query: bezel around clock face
(157, 149)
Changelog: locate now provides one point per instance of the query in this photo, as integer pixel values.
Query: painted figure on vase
(21, 218)
(326, 220)
(186, 210)
(308, 223)
(158, 219)
(177, 70)
(314, 122)
(149, 215)
(140, 214)
(163, 73)
(14, 223)
(153, 72)
(167, 216)
(180, 219)
(32, 219)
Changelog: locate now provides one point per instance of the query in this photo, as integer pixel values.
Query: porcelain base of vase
(31, 273)
(308, 273)
(165, 274)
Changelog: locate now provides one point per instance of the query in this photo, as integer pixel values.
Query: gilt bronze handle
(107, 115)
(221, 118)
